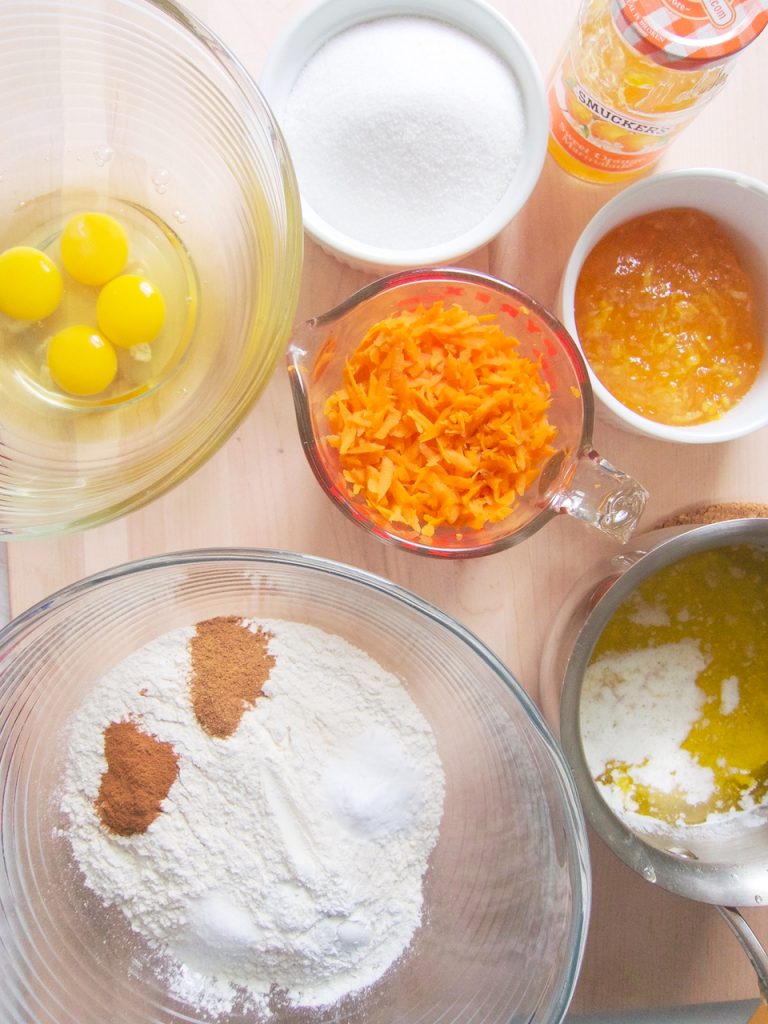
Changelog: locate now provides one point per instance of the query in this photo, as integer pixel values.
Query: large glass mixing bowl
(507, 888)
(131, 107)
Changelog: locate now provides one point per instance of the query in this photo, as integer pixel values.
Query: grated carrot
(439, 421)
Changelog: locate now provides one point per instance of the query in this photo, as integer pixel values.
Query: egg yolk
(130, 310)
(81, 361)
(30, 284)
(94, 248)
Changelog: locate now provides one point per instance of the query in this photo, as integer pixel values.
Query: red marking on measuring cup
(548, 374)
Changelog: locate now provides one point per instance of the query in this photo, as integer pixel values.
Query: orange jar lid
(689, 34)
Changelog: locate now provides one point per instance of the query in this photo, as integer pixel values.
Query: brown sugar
(140, 772)
(230, 664)
(701, 515)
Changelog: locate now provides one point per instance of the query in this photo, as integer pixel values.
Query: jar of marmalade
(635, 72)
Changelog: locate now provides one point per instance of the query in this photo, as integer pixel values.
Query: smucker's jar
(635, 73)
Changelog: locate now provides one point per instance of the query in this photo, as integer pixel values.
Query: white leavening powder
(289, 856)
(405, 132)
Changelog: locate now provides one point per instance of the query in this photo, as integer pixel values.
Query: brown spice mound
(230, 664)
(716, 513)
(140, 772)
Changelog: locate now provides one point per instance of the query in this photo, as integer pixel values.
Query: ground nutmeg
(230, 664)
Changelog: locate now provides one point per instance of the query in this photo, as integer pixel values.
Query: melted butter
(719, 600)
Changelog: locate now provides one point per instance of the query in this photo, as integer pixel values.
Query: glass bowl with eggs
(372, 822)
(150, 251)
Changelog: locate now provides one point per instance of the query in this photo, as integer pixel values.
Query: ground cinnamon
(140, 772)
(230, 664)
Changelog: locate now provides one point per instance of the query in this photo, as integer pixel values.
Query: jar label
(598, 135)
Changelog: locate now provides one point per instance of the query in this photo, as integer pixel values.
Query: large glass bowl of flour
(497, 932)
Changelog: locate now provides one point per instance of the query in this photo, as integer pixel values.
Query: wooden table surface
(646, 948)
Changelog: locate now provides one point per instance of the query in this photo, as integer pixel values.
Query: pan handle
(751, 946)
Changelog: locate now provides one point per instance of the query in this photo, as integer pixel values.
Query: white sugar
(404, 131)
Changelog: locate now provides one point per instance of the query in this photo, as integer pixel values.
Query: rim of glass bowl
(55, 520)
(575, 835)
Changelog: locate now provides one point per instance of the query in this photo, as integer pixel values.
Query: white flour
(290, 854)
(637, 709)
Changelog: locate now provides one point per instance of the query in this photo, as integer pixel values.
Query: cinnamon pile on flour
(230, 665)
(140, 772)
(260, 800)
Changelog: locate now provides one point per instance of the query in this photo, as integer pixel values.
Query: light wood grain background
(646, 948)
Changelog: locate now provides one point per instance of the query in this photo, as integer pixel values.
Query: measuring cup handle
(597, 493)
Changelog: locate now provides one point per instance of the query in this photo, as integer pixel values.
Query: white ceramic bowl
(326, 19)
(740, 203)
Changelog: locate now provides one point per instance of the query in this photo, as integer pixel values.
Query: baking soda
(289, 856)
(405, 132)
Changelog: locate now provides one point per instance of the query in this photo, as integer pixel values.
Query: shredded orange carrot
(439, 421)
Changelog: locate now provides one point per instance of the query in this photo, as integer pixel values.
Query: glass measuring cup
(575, 480)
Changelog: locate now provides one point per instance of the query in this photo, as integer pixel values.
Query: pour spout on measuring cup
(602, 496)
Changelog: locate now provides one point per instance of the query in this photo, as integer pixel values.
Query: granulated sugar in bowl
(417, 132)
(235, 791)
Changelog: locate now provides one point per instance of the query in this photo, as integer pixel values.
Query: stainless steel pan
(728, 869)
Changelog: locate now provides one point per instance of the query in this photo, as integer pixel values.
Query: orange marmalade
(635, 72)
(666, 316)
(613, 111)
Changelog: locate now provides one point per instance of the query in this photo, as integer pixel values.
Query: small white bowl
(740, 204)
(325, 20)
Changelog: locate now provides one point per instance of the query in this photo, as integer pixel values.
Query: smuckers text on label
(614, 117)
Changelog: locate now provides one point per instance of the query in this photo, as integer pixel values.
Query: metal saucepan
(728, 869)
